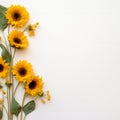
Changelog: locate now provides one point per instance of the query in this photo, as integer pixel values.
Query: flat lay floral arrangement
(15, 31)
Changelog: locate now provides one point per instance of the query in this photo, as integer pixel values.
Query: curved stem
(22, 105)
(36, 98)
(14, 54)
(8, 29)
(12, 79)
(8, 101)
(16, 87)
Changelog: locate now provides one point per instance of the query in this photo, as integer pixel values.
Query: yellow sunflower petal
(17, 15)
(22, 70)
(4, 68)
(34, 85)
(17, 39)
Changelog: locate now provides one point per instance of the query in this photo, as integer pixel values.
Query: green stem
(9, 104)
(36, 98)
(16, 87)
(17, 118)
(8, 29)
(22, 105)
(12, 79)
(26, 28)
(9, 43)
(8, 100)
(11, 68)
(14, 54)
(10, 49)
(5, 109)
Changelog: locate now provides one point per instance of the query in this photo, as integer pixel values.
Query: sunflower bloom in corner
(17, 15)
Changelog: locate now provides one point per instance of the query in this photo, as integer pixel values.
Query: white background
(77, 51)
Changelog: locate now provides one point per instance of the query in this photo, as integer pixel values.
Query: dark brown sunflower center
(1, 67)
(22, 71)
(32, 85)
(17, 40)
(16, 16)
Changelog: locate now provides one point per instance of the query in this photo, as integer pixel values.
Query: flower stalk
(20, 72)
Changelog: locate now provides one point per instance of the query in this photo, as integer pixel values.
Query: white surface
(78, 44)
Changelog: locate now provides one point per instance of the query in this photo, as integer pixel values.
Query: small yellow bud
(2, 101)
(48, 95)
(3, 92)
(43, 101)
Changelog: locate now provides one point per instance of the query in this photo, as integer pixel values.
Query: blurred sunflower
(4, 68)
(34, 85)
(22, 70)
(17, 15)
(17, 39)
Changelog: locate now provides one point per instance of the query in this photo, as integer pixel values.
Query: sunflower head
(4, 68)
(22, 70)
(17, 39)
(17, 15)
(34, 85)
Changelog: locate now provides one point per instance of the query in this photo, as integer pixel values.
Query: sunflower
(4, 68)
(34, 85)
(22, 70)
(17, 15)
(17, 39)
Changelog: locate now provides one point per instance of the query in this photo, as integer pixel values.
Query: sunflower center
(17, 40)
(1, 67)
(32, 85)
(16, 16)
(22, 71)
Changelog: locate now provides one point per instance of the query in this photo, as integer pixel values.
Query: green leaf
(15, 107)
(3, 20)
(1, 114)
(29, 107)
(5, 54)
(2, 8)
